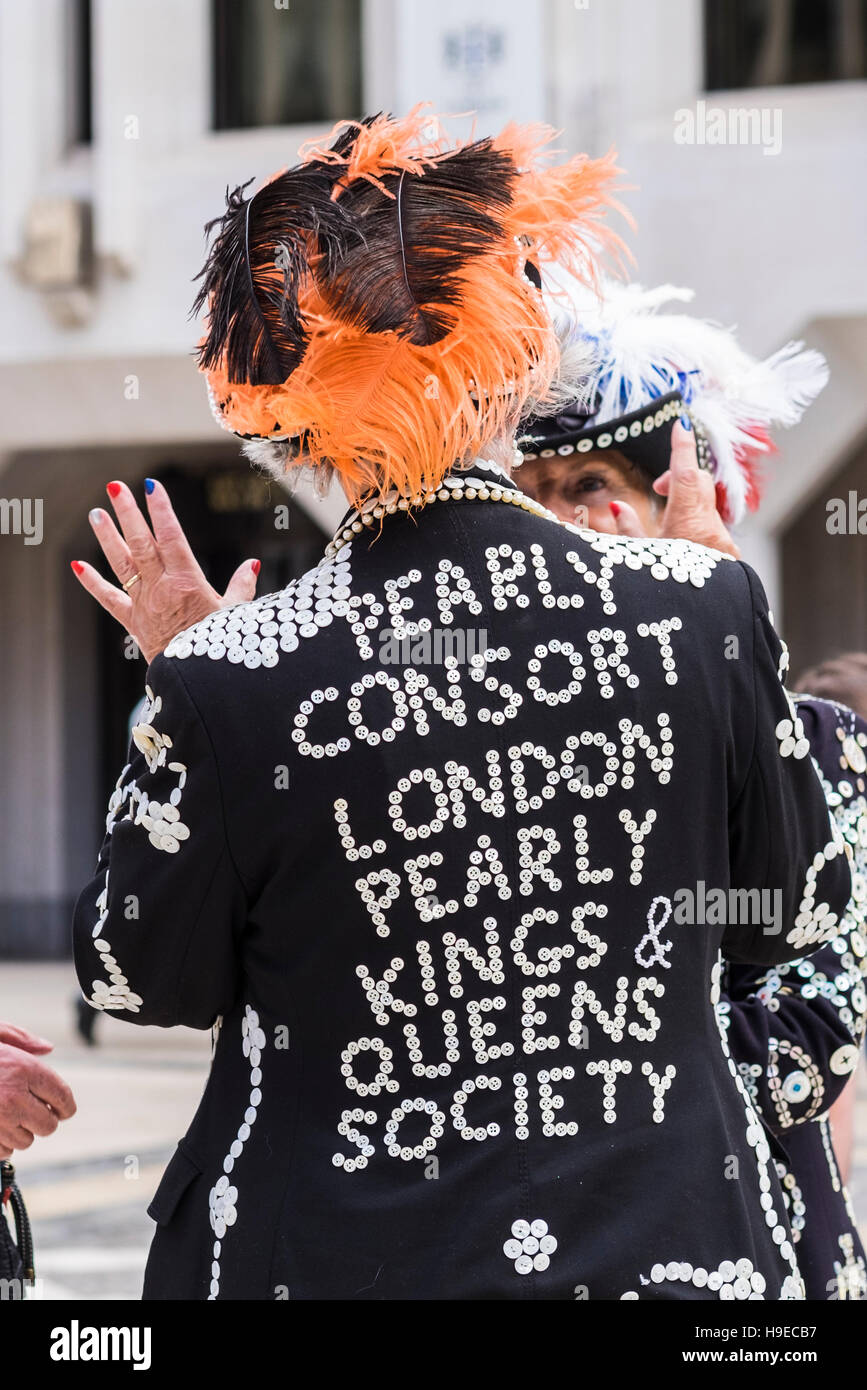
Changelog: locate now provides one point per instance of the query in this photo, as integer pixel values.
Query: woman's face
(580, 490)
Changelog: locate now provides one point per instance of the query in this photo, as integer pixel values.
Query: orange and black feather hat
(372, 303)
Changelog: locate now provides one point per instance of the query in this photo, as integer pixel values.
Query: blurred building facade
(121, 125)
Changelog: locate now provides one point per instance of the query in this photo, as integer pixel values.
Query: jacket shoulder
(691, 567)
(256, 633)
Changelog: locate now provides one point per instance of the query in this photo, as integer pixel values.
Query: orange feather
(388, 414)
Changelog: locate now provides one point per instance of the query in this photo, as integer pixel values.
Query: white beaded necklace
(454, 488)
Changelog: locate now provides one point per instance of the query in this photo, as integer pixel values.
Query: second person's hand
(690, 511)
(33, 1098)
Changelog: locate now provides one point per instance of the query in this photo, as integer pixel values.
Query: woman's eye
(588, 482)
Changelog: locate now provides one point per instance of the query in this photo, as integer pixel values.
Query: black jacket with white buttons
(439, 837)
(796, 1030)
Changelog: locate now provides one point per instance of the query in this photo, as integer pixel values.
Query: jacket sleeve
(156, 931)
(795, 1035)
(796, 1030)
(782, 841)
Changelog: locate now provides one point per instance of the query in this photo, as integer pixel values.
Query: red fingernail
(113, 489)
(615, 507)
(255, 566)
(77, 566)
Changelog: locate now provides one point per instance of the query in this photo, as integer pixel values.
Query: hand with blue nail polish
(691, 506)
(163, 589)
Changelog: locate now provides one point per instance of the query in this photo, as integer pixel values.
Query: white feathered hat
(651, 367)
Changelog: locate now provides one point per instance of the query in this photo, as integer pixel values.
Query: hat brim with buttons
(643, 436)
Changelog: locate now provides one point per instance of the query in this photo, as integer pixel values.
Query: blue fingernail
(686, 422)
(149, 485)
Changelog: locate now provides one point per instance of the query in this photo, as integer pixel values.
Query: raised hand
(690, 513)
(162, 586)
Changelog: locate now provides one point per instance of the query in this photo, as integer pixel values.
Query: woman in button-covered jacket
(794, 1030)
(410, 830)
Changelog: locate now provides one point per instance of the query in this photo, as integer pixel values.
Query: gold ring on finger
(129, 583)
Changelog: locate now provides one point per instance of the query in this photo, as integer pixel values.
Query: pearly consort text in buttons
(329, 722)
(556, 673)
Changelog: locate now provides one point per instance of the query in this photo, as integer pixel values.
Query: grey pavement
(88, 1186)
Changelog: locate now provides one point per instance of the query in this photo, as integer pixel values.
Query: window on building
(285, 64)
(768, 43)
(79, 96)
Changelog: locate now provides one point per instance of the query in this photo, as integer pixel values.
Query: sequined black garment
(467, 1049)
(796, 1030)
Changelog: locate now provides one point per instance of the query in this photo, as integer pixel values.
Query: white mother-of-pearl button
(844, 1060)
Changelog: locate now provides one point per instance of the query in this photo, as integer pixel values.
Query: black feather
(402, 272)
(255, 266)
(383, 263)
(346, 139)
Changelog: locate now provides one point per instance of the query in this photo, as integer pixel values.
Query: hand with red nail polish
(163, 589)
(626, 518)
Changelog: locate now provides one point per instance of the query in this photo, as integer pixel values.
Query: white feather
(640, 354)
